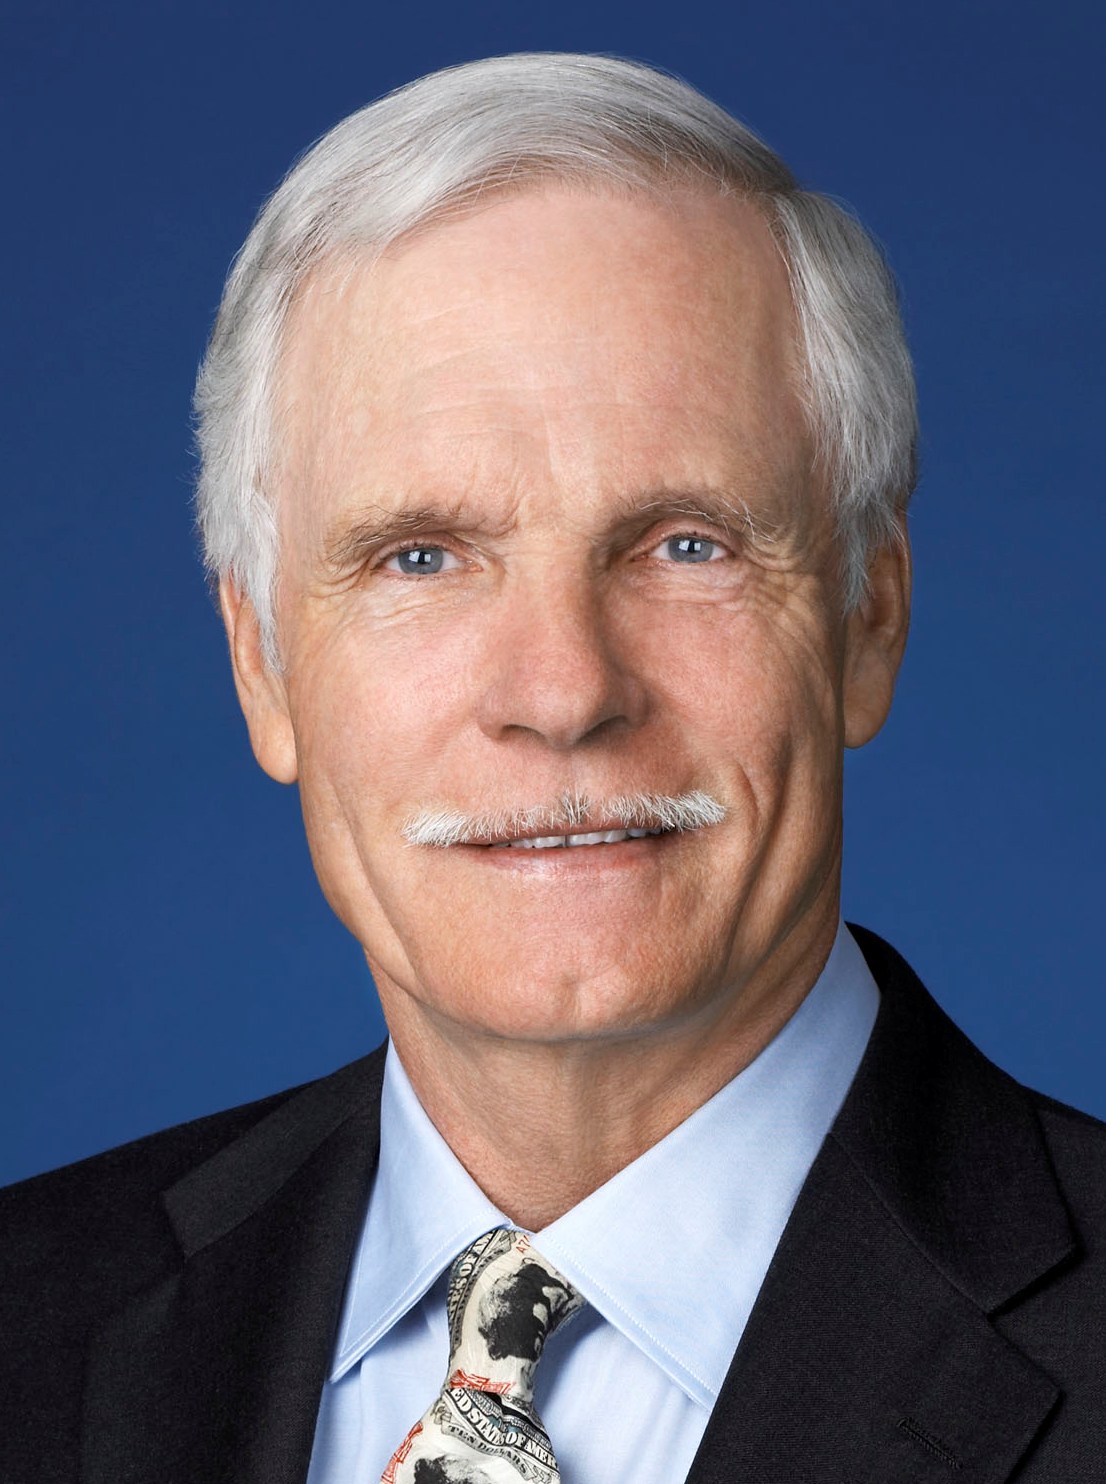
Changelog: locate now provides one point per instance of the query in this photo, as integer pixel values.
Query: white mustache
(571, 814)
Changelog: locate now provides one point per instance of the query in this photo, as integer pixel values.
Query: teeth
(595, 837)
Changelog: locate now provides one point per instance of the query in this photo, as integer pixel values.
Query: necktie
(504, 1302)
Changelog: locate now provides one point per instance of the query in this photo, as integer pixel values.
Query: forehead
(555, 337)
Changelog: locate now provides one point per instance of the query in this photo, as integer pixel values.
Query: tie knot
(504, 1302)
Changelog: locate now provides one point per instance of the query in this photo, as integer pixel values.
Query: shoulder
(919, 1032)
(1069, 1125)
(83, 1246)
(1005, 1185)
(82, 1237)
(78, 1198)
(1077, 1145)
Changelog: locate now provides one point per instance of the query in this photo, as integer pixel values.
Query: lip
(577, 859)
(575, 834)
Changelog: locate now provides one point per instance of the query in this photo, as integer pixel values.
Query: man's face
(549, 527)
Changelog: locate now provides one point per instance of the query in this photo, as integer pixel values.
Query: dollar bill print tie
(504, 1302)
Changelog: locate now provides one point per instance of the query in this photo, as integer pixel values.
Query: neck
(580, 1111)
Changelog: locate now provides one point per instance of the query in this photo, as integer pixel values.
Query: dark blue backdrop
(166, 950)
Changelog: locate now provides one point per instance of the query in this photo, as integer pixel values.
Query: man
(556, 451)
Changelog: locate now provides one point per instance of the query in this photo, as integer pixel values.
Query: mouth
(570, 842)
(601, 855)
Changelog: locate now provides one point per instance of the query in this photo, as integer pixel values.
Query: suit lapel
(216, 1373)
(861, 1363)
(870, 1354)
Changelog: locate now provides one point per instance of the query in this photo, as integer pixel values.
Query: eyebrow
(351, 541)
(355, 539)
(728, 512)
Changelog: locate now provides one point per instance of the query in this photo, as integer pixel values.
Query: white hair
(442, 142)
(572, 813)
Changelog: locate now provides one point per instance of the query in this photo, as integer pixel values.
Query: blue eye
(688, 549)
(419, 561)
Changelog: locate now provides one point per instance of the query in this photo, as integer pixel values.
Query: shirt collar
(674, 1248)
(688, 1229)
(424, 1208)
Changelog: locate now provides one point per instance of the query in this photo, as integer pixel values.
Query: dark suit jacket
(936, 1309)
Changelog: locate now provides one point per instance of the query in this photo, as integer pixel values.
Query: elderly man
(556, 450)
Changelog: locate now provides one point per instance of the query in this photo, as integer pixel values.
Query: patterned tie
(504, 1302)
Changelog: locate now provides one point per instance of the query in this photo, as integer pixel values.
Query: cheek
(374, 715)
(377, 708)
(757, 688)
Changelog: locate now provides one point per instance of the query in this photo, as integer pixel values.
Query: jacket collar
(952, 1145)
(870, 1353)
(216, 1372)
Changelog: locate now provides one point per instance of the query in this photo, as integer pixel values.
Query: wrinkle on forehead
(554, 331)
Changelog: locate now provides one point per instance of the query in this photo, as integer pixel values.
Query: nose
(556, 670)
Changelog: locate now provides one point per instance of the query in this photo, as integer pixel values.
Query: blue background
(166, 950)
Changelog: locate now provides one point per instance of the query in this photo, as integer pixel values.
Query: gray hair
(437, 146)
(571, 814)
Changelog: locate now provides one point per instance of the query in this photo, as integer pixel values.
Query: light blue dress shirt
(670, 1255)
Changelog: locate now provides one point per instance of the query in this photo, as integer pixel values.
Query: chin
(547, 1005)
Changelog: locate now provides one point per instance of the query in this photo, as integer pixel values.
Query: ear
(261, 692)
(875, 637)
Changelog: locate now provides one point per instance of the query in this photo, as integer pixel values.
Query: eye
(421, 561)
(688, 549)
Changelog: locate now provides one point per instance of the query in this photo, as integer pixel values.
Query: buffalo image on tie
(504, 1302)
